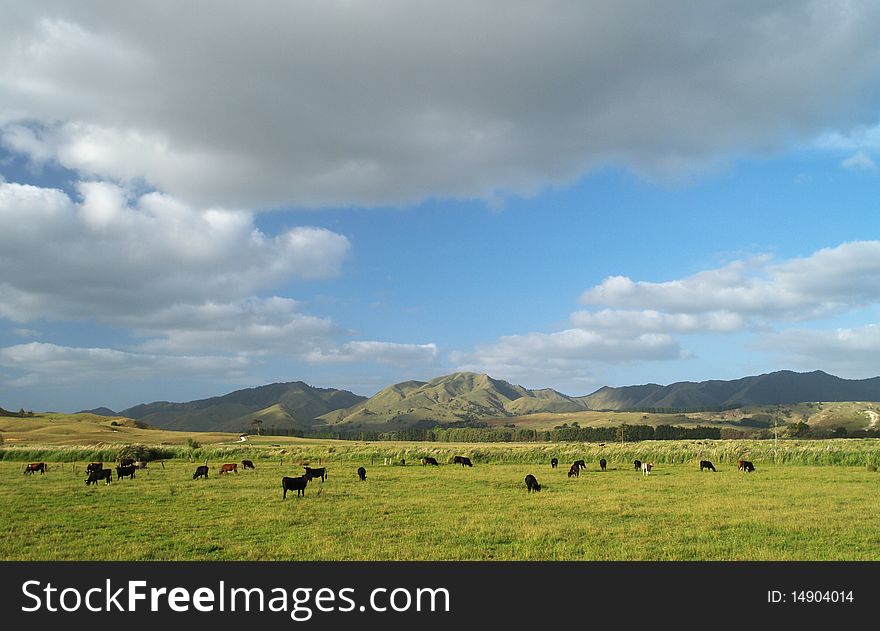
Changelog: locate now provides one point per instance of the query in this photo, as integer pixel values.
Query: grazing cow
(315, 473)
(745, 465)
(463, 461)
(574, 471)
(226, 468)
(122, 472)
(94, 466)
(637, 464)
(103, 474)
(247, 464)
(705, 464)
(201, 472)
(554, 462)
(34, 467)
(646, 467)
(294, 484)
(126, 462)
(532, 483)
(362, 473)
(580, 463)
(429, 460)
(602, 464)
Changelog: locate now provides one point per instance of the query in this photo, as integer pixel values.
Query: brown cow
(226, 468)
(34, 467)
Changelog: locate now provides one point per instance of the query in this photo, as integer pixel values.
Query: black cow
(123, 472)
(125, 462)
(574, 471)
(362, 473)
(247, 464)
(705, 464)
(201, 472)
(429, 460)
(637, 464)
(34, 467)
(103, 474)
(294, 484)
(463, 461)
(745, 465)
(580, 463)
(554, 462)
(94, 466)
(602, 464)
(532, 483)
(315, 473)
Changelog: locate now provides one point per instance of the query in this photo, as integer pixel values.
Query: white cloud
(120, 259)
(642, 321)
(339, 103)
(248, 327)
(372, 351)
(565, 353)
(831, 280)
(859, 161)
(628, 322)
(41, 364)
(847, 352)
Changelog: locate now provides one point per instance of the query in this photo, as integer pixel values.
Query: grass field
(779, 512)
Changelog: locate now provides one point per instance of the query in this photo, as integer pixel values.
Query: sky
(201, 197)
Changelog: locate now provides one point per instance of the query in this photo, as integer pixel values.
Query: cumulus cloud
(249, 327)
(627, 322)
(233, 357)
(564, 354)
(848, 352)
(390, 102)
(42, 364)
(644, 321)
(829, 281)
(372, 351)
(120, 258)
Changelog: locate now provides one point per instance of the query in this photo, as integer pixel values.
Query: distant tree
(798, 430)
(192, 443)
(256, 423)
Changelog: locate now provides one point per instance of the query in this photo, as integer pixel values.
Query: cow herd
(638, 465)
(126, 469)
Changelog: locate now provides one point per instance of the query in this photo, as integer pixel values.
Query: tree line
(620, 433)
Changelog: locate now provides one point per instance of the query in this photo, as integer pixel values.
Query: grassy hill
(851, 415)
(783, 387)
(283, 405)
(94, 430)
(461, 396)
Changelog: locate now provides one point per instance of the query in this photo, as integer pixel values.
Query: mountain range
(466, 396)
(282, 405)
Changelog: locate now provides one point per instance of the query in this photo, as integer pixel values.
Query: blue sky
(565, 197)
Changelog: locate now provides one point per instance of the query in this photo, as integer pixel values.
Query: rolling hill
(282, 405)
(461, 396)
(781, 387)
(465, 397)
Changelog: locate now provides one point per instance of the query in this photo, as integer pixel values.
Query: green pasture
(782, 511)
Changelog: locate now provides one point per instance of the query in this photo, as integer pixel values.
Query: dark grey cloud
(263, 104)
